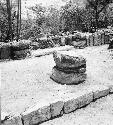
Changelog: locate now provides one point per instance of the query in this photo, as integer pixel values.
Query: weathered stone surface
(36, 116)
(64, 78)
(70, 105)
(13, 121)
(85, 99)
(56, 108)
(100, 91)
(66, 61)
(71, 70)
(77, 100)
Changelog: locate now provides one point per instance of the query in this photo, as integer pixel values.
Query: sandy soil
(97, 113)
(27, 82)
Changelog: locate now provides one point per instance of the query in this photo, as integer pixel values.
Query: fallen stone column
(68, 69)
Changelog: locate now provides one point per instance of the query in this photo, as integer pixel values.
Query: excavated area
(25, 83)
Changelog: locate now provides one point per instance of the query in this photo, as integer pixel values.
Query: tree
(9, 35)
(97, 6)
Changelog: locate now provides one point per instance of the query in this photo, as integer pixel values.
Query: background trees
(94, 14)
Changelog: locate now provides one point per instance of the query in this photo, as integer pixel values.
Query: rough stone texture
(77, 100)
(56, 108)
(85, 99)
(36, 116)
(64, 78)
(100, 91)
(71, 70)
(70, 105)
(13, 121)
(66, 61)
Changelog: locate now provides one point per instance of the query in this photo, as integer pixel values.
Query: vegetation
(50, 20)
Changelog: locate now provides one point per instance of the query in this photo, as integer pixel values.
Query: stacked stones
(68, 69)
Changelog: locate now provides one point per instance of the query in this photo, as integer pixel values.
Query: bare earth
(27, 82)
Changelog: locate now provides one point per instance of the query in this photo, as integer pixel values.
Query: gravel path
(99, 112)
(27, 82)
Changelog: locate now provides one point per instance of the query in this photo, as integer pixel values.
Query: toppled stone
(66, 61)
(64, 78)
(36, 115)
(13, 121)
(56, 108)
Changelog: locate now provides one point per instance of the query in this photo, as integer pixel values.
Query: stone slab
(56, 108)
(37, 114)
(100, 91)
(13, 121)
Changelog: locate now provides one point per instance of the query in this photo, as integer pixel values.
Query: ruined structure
(68, 69)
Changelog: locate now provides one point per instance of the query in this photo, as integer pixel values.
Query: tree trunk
(9, 35)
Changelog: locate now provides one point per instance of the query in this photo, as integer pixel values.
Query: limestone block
(56, 108)
(66, 61)
(100, 91)
(70, 105)
(85, 99)
(79, 100)
(64, 78)
(13, 121)
(36, 116)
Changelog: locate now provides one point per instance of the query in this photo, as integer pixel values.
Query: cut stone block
(66, 61)
(78, 100)
(85, 99)
(13, 121)
(36, 115)
(64, 78)
(56, 108)
(100, 91)
(70, 105)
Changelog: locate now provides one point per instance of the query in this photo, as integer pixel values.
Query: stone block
(56, 108)
(64, 78)
(66, 61)
(77, 100)
(84, 99)
(100, 91)
(36, 116)
(13, 121)
(70, 105)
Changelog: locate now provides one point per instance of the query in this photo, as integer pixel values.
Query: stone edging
(43, 52)
(65, 105)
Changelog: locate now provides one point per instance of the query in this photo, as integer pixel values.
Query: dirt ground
(97, 113)
(27, 82)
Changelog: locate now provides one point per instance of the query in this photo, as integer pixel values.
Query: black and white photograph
(56, 62)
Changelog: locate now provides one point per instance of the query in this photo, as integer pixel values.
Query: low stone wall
(50, 110)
